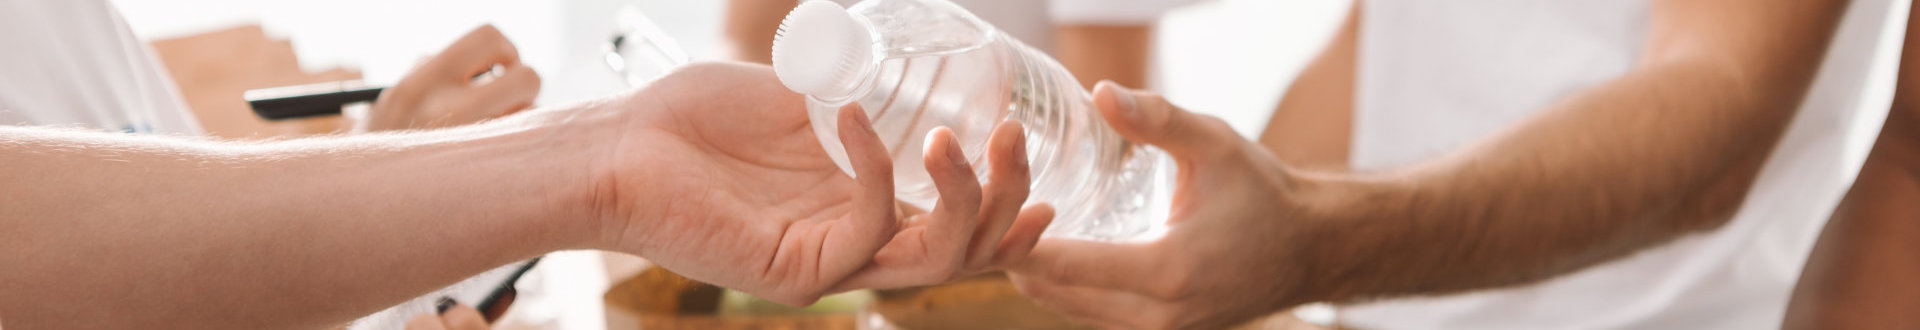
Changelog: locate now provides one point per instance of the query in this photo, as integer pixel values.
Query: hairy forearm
(1660, 152)
(114, 231)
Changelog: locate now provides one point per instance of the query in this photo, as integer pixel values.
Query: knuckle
(489, 32)
(522, 72)
(533, 77)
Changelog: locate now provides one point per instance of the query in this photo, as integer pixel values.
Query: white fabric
(75, 62)
(1436, 75)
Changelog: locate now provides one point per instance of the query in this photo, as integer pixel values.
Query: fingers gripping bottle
(914, 65)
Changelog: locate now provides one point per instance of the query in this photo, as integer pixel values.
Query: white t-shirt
(75, 63)
(1436, 75)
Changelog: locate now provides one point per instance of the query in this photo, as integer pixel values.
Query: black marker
(505, 289)
(302, 101)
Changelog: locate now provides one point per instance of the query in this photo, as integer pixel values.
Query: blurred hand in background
(478, 77)
(454, 316)
(213, 69)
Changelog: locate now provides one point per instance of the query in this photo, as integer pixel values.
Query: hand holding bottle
(1232, 243)
(721, 180)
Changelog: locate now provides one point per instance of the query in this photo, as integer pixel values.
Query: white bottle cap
(821, 50)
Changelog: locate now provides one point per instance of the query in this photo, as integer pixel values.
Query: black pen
(310, 100)
(505, 289)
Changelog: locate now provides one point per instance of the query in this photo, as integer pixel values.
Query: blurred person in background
(1861, 274)
(1504, 164)
(109, 230)
(75, 64)
(1095, 39)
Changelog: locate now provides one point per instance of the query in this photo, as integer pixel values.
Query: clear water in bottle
(914, 65)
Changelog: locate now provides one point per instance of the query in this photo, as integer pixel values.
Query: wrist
(560, 154)
(1338, 237)
(614, 143)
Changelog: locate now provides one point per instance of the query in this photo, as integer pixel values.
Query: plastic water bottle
(914, 65)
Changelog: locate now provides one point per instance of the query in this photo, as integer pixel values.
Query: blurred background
(1228, 58)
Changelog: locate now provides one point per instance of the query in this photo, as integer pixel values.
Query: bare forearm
(1312, 127)
(1666, 149)
(115, 230)
(1621, 167)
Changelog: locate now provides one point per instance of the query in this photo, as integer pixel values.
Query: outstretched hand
(723, 180)
(1227, 257)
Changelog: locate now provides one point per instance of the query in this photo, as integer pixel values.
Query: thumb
(1146, 117)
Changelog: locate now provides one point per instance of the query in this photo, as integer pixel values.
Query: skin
(1860, 274)
(750, 26)
(442, 91)
(458, 317)
(1312, 126)
(1119, 53)
(461, 317)
(1662, 151)
(182, 233)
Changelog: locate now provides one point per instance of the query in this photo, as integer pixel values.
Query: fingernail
(441, 306)
(954, 154)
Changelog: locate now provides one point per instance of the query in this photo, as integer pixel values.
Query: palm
(752, 189)
(726, 183)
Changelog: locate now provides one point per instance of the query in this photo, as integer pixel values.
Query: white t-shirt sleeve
(1111, 12)
(77, 64)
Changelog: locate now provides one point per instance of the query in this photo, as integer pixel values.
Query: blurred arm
(1666, 149)
(750, 26)
(1313, 125)
(1106, 52)
(1861, 273)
